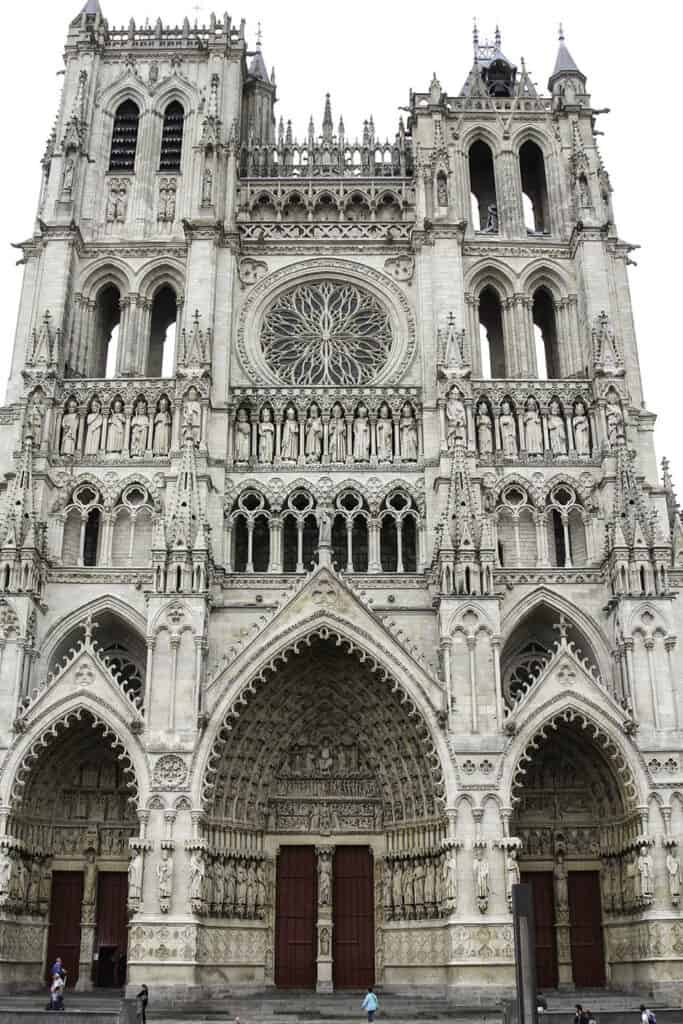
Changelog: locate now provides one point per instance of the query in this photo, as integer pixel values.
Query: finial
(475, 35)
(259, 35)
(560, 32)
(498, 37)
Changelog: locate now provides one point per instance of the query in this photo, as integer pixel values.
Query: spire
(90, 9)
(257, 67)
(328, 126)
(565, 65)
(186, 512)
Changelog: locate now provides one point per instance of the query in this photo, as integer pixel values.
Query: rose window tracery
(326, 333)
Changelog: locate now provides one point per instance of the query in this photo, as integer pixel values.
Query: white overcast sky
(368, 55)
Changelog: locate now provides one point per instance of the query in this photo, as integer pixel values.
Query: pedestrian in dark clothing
(141, 1000)
(580, 1017)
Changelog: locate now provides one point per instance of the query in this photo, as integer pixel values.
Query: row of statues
(628, 881)
(420, 887)
(228, 886)
(334, 438)
(116, 432)
(24, 882)
(529, 430)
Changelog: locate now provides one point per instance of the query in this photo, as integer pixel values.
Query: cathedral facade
(338, 580)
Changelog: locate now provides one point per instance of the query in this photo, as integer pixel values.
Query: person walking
(647, 1016)
(141, 1000)
(370, 1003)
(580, 1017)
(57, 993)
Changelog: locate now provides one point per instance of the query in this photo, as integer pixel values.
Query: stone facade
(376, 554)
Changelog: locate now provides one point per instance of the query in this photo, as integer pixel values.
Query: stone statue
(197, 875)
(508, 431)
(116, 429)
(164, 879)
(397, 890)
(242, 436)
(162, 428)
(430, 888)
(533, 430)
(289, 447)
(89, 878)
(512, 874)
(361, 435)
(70, 421)
(385, 434)
(449, 874)
(408, 891)
(337, 434)
(419, 874)
(69, 171)
(615, 424)
(386, 890)
(442, 190)
(192, 417)
(314, 434)
(135, 878)
(94, 424)
(673, 870)
(456, 417)
(484, 430)
(324, 941)
(266, 436)
(207, 187)
(324, 880)
(581, 428)
(139, 429)
(480, 870)
(408, 430)
(492, 219)
(645, 873)
(557, 432)
(241, 889)
(561, 887)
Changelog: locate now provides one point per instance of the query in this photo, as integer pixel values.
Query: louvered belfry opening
(124, 139)
(172, 137)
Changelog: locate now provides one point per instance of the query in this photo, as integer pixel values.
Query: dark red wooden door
(295, 922)
(64, 933)
(353, 944)
(112, 929)
(585, 919)
(541, 883)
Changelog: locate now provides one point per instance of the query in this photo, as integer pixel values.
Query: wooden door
(295, 921)
(541, 883)
(585, 920)
(353, 944)
(64, 933)
(112, 929)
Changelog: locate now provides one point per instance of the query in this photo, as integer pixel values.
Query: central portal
(304, 916)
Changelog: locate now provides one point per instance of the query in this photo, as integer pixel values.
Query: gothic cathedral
(337, 577)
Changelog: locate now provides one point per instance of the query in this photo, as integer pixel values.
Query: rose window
(326, 333)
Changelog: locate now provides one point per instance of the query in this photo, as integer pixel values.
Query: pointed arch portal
(577, 818)
(64, 855)
(325, 749)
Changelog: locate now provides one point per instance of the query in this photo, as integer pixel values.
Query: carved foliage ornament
(170, 771)
(326, 333)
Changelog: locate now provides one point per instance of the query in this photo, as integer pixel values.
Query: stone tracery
(326, 333)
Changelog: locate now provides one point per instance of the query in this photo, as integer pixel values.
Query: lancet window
(103, 358)
(398, 534)
(172, 137)
(124, 138)
(132, 526)
(251, 524)
(552, 535)
(81, 543)
(162, 336)
(299, 533)
(493, 361)
(534, 189)
(545, 332)
(350, 533)
(483, 188)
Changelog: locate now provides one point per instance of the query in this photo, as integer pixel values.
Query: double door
(296, 921)
(585, 928)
